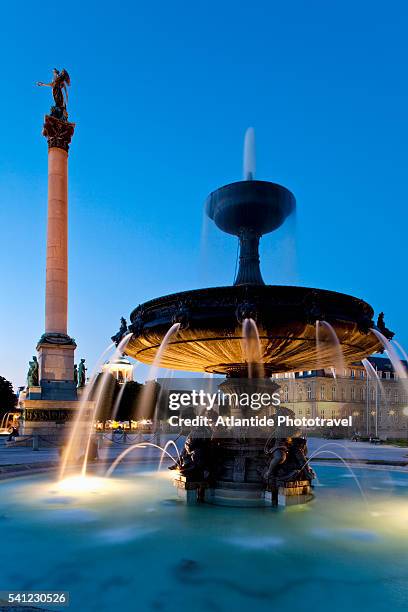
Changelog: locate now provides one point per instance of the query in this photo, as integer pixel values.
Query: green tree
(104, 392)
(8, 399)
(128, 405)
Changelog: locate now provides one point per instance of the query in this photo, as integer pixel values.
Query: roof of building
(383, 363)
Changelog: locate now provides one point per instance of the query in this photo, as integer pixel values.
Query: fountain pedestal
(192, 492)
(292, 494)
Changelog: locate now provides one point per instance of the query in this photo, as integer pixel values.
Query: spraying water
(103, 386)
(401, 350)
(82, 418)
(164, 451)
(373, 374)
(148, 392)
(74, 437)
(328, 348)
(6, 419)
(397, 364)
(158, 357)
(344, 462)
(249, 154)
(132, 448)
(252, 348)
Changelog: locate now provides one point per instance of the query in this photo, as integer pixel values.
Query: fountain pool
(152, 552)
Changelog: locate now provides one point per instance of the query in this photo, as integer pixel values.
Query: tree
(129, 401)
(103, 393)
(8, 399)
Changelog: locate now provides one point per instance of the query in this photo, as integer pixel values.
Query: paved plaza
(318, 448)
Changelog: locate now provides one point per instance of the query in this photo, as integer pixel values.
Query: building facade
(377, 401)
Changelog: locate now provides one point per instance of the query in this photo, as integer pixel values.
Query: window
(396, 397)
(353, 394)
(362, 373)
(322, 393)
(362, 393)
(352, 373)
(334, 390)
(309, 392)
(286, 394)
(388, 375)
(343, 393)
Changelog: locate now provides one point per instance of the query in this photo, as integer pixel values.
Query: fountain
(282, 321)
(111, 535)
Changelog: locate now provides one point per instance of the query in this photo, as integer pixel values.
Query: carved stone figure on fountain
(382, 327)
(81, 374)
(288, 462)
(123, 330)
(32, 375)
(277, 451)
(194, 462)
(182, 315)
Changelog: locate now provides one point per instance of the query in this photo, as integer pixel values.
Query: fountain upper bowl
(260, 206)
(210, 335)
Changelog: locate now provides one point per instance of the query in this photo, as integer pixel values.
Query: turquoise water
(134, 546)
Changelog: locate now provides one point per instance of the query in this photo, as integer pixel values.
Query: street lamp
(405, 413)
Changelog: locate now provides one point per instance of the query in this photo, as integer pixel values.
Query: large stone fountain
(248, 469)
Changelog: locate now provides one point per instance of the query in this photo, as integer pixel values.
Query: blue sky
(162, 94)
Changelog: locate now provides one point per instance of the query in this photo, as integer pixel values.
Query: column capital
(57, 132)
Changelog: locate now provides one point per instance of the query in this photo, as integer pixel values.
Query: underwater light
(83, 484)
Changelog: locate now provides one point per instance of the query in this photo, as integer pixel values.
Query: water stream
(328, 347)
(249, 155)
(252, 349)
(82, 420)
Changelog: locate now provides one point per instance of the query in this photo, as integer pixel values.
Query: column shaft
(56, 292)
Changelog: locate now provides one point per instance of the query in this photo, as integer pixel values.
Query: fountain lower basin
(106, 552)
(210, 336)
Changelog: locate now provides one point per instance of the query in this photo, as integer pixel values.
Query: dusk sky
(161, 95)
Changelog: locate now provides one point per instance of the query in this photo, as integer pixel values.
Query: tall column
(56, 287)
(56, 347)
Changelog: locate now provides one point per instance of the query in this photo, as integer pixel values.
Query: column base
(49, 416)
(56, 367)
